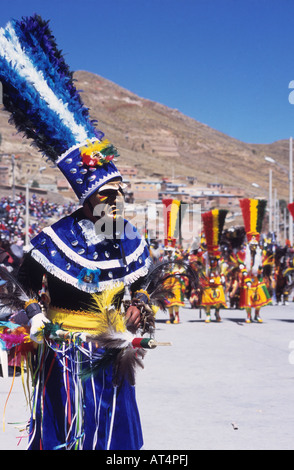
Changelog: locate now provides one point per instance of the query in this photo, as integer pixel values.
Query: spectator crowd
(42, 212)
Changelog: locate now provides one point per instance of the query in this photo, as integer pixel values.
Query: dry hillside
(161, 141)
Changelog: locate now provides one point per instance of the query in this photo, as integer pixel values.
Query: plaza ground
(219, 386)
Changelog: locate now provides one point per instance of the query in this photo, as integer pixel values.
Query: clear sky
(225, 63)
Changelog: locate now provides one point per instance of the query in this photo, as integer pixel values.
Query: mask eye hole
(110, 194)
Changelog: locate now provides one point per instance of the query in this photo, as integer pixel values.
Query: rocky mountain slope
(161, 141)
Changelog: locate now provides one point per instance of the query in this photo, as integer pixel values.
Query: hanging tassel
(9, 393)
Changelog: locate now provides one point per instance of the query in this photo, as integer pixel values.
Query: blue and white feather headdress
(39, 93)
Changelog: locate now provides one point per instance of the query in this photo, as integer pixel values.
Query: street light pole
(289, 172)
(27, 238)
(13, 177)
(277, 215)
(291, 188)
(270, 197)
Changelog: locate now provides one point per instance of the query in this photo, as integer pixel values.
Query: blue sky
(225, 63)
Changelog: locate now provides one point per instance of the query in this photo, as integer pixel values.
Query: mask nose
(114, 204)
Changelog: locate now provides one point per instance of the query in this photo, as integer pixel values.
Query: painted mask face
(109, 200)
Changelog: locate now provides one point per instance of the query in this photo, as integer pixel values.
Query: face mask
(110, 203)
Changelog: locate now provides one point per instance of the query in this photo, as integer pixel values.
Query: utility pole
(27, 238)
(13, 177)
(270, 197)
(291, 188)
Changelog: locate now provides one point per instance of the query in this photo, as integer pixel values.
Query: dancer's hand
(133, 316)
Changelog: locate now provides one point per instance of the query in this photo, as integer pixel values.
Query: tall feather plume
(261, 207)
(245, 208)
(253, 211)
(213, 224)
(291, 208)
(221, 222)
(172, 220)
(39, 91)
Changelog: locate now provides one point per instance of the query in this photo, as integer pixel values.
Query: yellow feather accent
(100, 317)
(93, 147)
(107, 316)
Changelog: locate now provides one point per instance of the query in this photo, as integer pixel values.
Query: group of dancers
(237, 267)
(80, 337)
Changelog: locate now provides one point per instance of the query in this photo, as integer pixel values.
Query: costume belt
(74, 320)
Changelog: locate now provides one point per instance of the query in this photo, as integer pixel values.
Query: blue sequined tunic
(67, 412)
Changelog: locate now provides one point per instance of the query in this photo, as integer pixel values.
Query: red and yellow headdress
(171, 217)
(253, 211)
(213, 224)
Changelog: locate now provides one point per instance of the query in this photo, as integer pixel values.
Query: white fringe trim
(83, 286)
